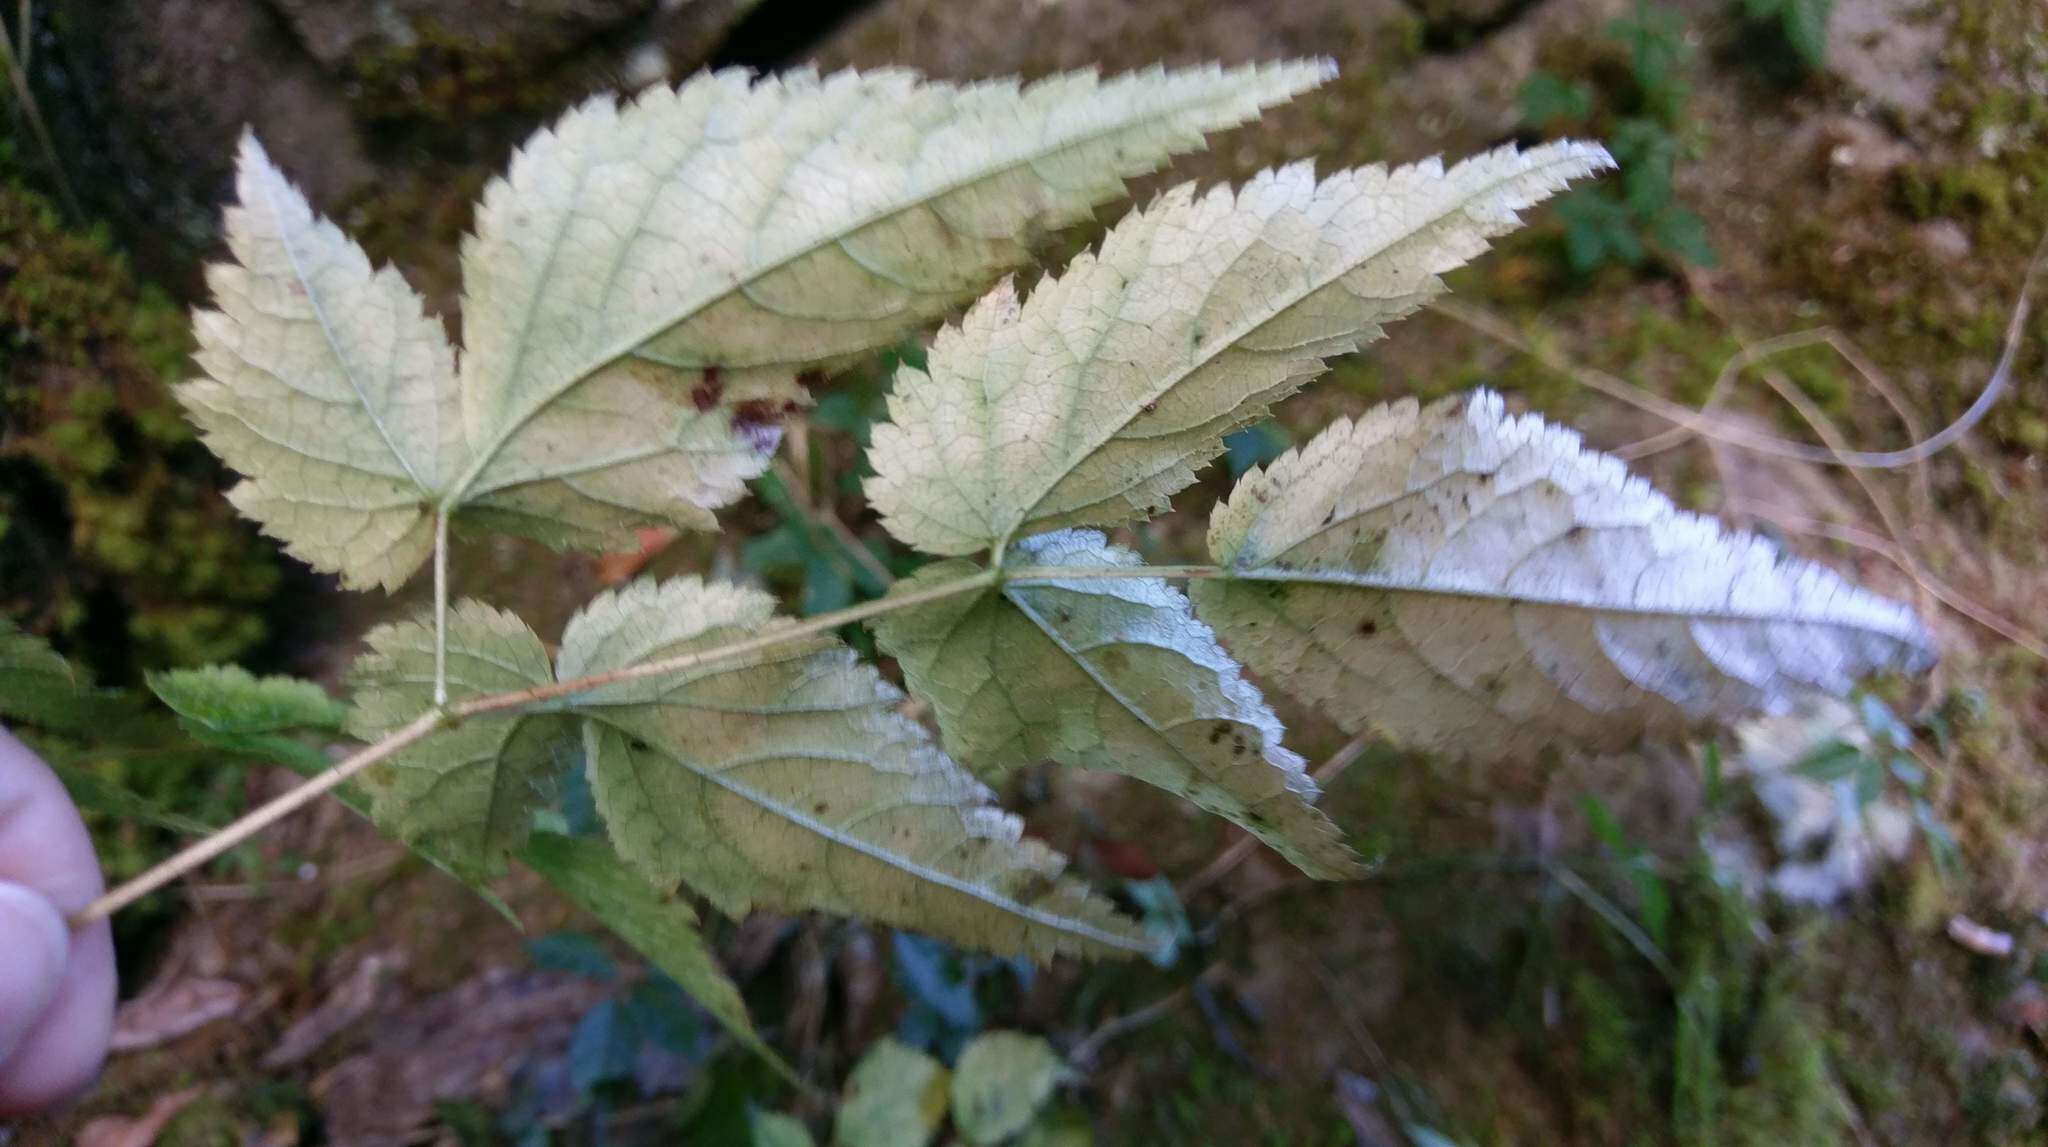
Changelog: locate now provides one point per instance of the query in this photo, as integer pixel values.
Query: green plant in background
(112, 535)
(1801, 24)
(1642, 116)
(646, 293)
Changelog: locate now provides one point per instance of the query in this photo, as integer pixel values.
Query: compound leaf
(1092, 402)
(466, 793)
(1107, 673)
(1480, 584)
(787, 779)
(661, 928)
(649, 279)
(643, 288)
(327, 385)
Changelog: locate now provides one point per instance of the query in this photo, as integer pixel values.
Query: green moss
(447, 80)
(118, 542)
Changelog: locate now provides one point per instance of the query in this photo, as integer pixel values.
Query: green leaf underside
(230, 708)
(1093, 401)
(663, 929)
(468, 792)
(1113, 674)
(1479, 584)
(896, 1097)
(643, 289)
(788, 780)
(38, 687)
(774, 1129)
(1002, 1080)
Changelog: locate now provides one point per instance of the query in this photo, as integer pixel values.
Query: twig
(440, 607)
(1083, 1053)
(540, 696)
(17, 73)
(1721, 430)
(799, 491)
(1948, 595)
(263, 817)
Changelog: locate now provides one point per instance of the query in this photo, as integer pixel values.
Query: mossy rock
(114, 539)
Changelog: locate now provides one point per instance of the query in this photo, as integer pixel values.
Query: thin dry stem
(800, 490)
(255, 822)
(284, 805)
(1721, 430)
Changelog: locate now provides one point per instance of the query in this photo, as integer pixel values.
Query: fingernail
(34, 944)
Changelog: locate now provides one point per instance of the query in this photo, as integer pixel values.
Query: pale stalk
(287, 803)
(440, 608)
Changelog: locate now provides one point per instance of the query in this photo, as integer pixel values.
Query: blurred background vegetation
(1826, 930)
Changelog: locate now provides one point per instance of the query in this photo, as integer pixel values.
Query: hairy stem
(539, 695)
(440, 608)
(263, 817)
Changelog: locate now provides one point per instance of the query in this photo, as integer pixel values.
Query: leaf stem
(440, 608)
(1087, 573)
(263, 817)
(444, 714)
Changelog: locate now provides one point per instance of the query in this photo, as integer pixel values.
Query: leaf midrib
(902, 864)
(1246, 330)
(269, 178)
(622, 348)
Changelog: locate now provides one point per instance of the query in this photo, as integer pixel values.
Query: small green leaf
(896, 1097)
(1545, 98)
(574, 953)
(772, 1129)
(1001, 1081)
(1831, 762)
(660, 928)
(605, 1047)
(1164, 916)
(40, 688)
(229, 708)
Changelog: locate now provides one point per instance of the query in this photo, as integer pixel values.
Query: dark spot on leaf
(706, 394)
(1368, 627)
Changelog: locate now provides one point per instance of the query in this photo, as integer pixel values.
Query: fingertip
(35, 946)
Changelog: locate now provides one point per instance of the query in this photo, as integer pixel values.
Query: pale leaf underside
(468, 792)
(1093, 401)
(1108, 673)
(326, 384)
(789, 780)
(649, 279)
(1480, 584)
(643, 289)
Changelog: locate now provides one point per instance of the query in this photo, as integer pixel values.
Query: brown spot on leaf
(707, 392)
